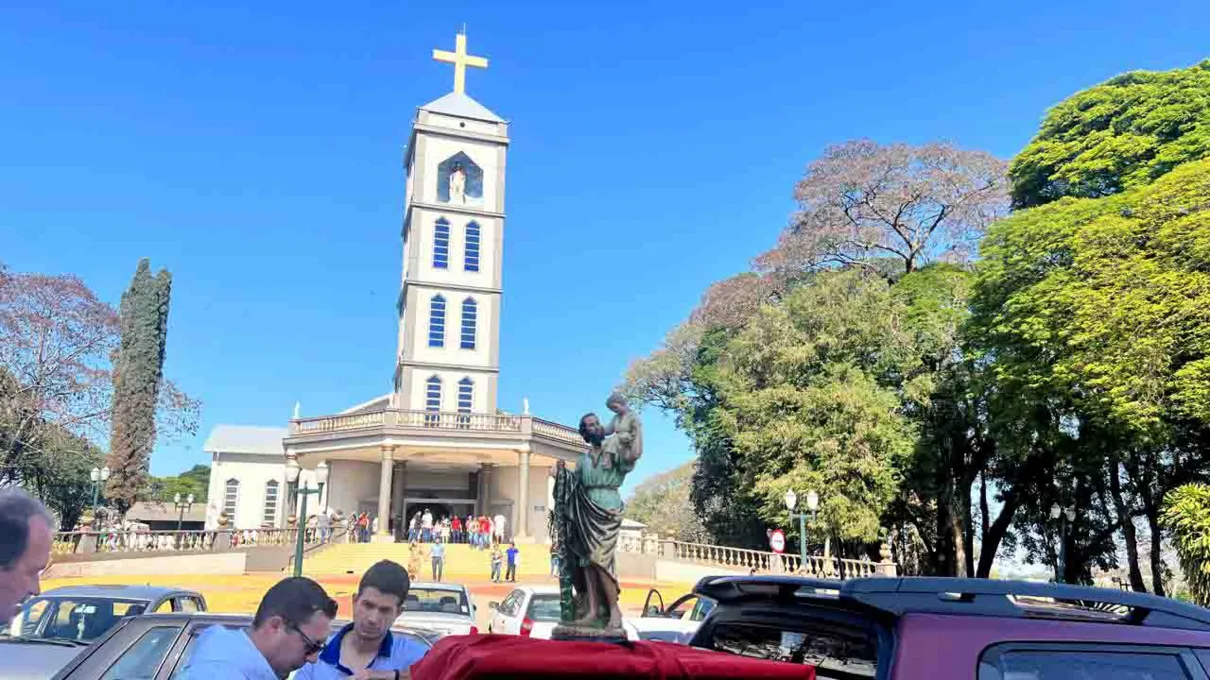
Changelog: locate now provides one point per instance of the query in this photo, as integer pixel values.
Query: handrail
(192, 540)
(758, 560)
(439, 420)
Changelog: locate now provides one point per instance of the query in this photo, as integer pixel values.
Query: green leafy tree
(195, 480)
(138, 376)
(1094, 312)
(1123, 133)
(662, 503)
(1187, 515)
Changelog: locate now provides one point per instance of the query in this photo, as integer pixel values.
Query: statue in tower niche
(457, 185)
(586, 521)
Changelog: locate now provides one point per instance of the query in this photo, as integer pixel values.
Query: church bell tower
(448, 356)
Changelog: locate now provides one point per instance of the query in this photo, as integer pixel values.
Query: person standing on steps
(513, 557)
(496, 559)
(438, 555)
(426, 526)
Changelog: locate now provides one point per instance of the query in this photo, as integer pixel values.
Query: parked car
(157, 647)
(948, 628)
(533, 611)
(51, 628)
(675, 623)
(443, 607)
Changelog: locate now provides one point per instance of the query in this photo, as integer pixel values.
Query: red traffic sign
(777, 541)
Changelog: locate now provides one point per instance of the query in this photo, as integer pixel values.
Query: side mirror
(493, 605)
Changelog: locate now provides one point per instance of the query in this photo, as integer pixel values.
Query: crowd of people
(480, 532)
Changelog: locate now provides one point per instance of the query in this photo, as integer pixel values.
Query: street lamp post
(182, 508)
(98, 477)
(1065, 516)
(791, 499)
(292, 475)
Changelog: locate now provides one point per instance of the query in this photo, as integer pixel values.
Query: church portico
(389, 460)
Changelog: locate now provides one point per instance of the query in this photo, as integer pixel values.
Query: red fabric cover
(463, 657)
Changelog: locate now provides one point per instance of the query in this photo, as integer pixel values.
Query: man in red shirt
(456, 530)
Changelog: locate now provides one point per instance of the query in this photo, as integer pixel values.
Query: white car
(446, 608)
(533, 611)
(675, 623)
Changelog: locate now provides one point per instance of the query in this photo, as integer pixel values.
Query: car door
(656, 607)
(512, 615)
(499, 616)
(134, 650)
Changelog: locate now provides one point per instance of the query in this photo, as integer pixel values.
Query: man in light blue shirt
(366, 649)
(438, 555)
(290, 624)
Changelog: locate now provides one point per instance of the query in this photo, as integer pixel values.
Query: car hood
(33, 660)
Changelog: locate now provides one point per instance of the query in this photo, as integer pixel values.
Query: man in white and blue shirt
(366, 648)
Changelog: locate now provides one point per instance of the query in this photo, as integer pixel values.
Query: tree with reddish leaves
(55, 342)
(863, 202)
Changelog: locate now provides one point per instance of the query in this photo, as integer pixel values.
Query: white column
(521, 522)
(486, 498)
(384, 493)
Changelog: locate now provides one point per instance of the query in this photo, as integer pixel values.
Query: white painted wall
(423, 234)
(504, 487)
(253, 472)
(452, 351)
(432, 480)
(350, 482)
(455, 123)
(449, 388)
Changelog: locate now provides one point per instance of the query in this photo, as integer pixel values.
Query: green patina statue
(587, 518)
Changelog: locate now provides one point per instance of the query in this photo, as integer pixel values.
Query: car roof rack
(969, 596)
(1022, 599)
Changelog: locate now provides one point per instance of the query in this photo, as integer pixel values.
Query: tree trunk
(1128, 532)
(995, 534)
(1157, 537)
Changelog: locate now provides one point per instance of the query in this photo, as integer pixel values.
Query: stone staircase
(462, 562)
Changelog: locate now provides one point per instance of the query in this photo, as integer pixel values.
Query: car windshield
(82, 619)
(436, 601)
(544, 608)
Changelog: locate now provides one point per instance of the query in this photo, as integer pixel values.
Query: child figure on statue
(622, 433)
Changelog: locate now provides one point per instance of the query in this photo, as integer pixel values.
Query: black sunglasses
(313, 647)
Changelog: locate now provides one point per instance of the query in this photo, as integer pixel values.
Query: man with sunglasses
(289, 629)
(366, 649)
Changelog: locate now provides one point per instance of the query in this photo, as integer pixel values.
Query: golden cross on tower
(460, 59)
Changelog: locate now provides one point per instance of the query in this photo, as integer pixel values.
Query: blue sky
(255, 149)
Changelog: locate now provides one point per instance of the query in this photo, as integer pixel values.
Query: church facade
(437, 441)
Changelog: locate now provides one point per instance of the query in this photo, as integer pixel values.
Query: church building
(437, 441)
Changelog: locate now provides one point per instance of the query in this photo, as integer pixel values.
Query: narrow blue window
(437, 321)
(441, 245)
(432, 400)
(466, 395)
(469, 314)
(471, 256)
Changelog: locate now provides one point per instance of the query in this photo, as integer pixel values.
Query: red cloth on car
(467, 657)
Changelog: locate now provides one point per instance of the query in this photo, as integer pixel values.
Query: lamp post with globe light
(98, 477)
(292, 475)
(1065, 517)
(791, 499)
(182, 508)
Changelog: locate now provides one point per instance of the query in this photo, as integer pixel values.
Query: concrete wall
(352, 482)
(635, 566)
(191, 563)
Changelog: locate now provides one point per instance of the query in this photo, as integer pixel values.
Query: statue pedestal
(571, 633)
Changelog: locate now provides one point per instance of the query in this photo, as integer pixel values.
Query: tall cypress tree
(138, 370)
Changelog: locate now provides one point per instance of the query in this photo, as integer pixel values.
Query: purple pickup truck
(950, 629)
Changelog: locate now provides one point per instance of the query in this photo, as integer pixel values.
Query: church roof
(458, 104)
(245, 439)
(375, 404)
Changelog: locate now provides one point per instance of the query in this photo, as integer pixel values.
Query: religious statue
(586, 520)
(457, 185)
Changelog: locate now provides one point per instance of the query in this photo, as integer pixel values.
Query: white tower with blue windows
(448, 357)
